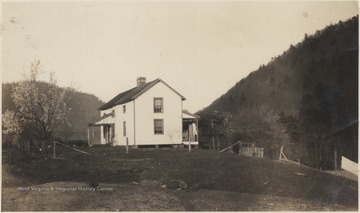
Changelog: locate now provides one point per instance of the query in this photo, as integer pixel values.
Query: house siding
(118, 120)
(139, 118)
(128, 117)
(171, 115)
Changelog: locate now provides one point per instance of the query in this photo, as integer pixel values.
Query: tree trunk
(9, 150)
(42, 146)
(316, 156)
(321, 151)
(213, 143)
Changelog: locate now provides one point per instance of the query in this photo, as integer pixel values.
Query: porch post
(93, 134)
(188, 124)
(88, 135)
(197, 130)
(110, 134)
(105, 134)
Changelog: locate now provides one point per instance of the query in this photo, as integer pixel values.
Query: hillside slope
(306, 94)
(328, 57)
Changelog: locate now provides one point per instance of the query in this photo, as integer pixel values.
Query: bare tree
(41, 107)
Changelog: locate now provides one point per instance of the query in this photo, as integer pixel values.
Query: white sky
(199, 48)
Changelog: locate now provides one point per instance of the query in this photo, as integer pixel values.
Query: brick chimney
(141, 81)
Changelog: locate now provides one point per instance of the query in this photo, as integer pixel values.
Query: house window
(124, 128)
(124, 109)
(158, 126)
(113, 113)
(158, 105)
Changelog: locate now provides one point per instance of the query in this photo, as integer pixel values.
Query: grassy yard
(169, 180)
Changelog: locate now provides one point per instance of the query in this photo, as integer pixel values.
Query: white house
(148, 114)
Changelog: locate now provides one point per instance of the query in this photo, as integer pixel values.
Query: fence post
(54, 151)
(335, 159)
(28, 147)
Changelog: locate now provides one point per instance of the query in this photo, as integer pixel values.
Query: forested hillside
(83, 111)
(299, 99)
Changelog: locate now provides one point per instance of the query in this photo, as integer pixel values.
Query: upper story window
(124, 109)
(158, 105)
(113, 113)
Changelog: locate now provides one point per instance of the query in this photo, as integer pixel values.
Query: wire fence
(58, 149)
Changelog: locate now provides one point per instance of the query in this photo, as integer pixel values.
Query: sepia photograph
(188, 106)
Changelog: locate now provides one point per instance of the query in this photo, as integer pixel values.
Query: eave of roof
(101, 118)
(188, 113)
(133, 93)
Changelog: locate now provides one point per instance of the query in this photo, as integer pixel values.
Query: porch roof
(106, 119)
(188, 115)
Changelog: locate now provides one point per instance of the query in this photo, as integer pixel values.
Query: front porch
(190, 129)
(107, 130)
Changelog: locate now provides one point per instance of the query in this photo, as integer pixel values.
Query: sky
(200, 48)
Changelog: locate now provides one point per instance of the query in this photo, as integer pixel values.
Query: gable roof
(133, 93)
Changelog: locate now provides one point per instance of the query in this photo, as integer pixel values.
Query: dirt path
(72, 196)
(75, 196)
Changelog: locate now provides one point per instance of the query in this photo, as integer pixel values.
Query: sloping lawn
(209, 181)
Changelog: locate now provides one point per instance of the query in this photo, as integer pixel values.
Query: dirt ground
(168, 180)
